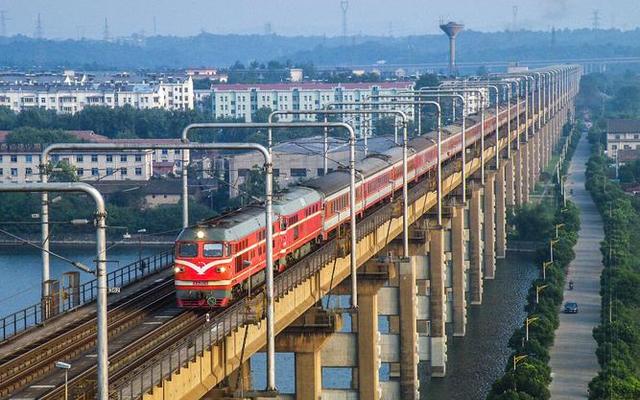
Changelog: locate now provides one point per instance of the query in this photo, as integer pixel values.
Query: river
(475, 361)
(21, 269)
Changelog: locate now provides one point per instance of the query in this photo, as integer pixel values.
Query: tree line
(532, 376)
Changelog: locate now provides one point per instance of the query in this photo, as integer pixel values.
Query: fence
(63, 301)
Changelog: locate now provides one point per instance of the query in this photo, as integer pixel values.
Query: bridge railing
(68, 299)
(153, 372)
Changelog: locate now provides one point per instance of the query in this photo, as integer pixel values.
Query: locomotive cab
(202, 269)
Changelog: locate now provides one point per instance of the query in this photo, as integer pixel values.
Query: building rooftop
(623, 125)
(310, 86)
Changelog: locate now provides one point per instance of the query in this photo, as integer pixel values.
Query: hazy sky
(74, 18)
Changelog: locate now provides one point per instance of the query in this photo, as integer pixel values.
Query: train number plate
(199, 283)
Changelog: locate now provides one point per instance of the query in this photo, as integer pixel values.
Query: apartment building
(170, 94)
(243, 100)
(473, 101)
(21, 163)
(622, 134)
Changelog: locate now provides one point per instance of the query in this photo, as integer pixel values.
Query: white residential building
(172, 94)
(473, 101)
(20, 163)
(622, 134)
(243, 100)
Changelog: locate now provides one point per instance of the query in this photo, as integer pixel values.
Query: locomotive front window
(187, 249)
(212, 249)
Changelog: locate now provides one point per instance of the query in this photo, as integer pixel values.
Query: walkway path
(573, 359)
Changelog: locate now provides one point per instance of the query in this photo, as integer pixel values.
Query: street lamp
(528, 321)
(551, 243)
(517, 359)
(557, 227)
(538, 290)
(545, 264)
(66, 367)
(140, 232)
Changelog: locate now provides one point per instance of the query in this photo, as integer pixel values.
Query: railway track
(33, 362)
(131, 356)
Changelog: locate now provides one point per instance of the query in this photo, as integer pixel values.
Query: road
(573, 358)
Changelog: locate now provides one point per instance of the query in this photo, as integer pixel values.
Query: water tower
(452, 29)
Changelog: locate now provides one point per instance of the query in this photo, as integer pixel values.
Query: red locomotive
(222, 258)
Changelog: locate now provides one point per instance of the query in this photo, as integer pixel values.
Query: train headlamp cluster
(222, 269)
(200, 234)
(177, 269)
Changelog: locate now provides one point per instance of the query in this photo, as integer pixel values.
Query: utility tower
(344, 4)
(452, 29)
(38, 34)
(3, 23)
(596, 20)
(105, 33)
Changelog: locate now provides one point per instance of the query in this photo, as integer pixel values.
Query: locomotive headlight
(222, 269)
(177, 269)
(200, 234)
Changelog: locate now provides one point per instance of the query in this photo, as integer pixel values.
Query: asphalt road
(573, 359)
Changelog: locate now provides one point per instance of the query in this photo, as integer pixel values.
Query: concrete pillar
(475, 243)
(489, 225)
(437, 302)
(409, 380)
(458, 266)
(501, 211)
(240, 379)
(518, 182)
(525, 150)
(309, 375)
(368, 355)
(510, 197)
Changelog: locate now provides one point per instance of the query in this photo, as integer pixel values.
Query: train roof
(237, 224)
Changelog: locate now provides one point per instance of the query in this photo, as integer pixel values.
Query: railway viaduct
(407, 307)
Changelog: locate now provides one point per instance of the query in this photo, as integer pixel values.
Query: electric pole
(3, 23)
(344, 4)
(39, 32)
(596, 20)
(105, 32)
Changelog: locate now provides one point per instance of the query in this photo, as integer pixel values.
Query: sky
(86, 18)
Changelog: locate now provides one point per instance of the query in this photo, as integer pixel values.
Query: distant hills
(223, 50)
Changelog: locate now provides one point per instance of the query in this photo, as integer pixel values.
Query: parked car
(570, 307)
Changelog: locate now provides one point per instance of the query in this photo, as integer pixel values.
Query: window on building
(109, 171)
(617, 136)
(138, 171)
(80, 171)
(123, 157)
(1, 171)
(165, 152)
(79, 158)
(94, 172)
(109, 157)
(298, 172)
(28, 158)
(276, 172)
(614, 147)
(138, 157)
(123, 171)
(14, 171)
(94, 158)
(14, 158)
(29, 171)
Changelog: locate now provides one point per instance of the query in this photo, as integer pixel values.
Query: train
(223, 258)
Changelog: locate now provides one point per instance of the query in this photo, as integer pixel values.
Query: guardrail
(69, 299)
